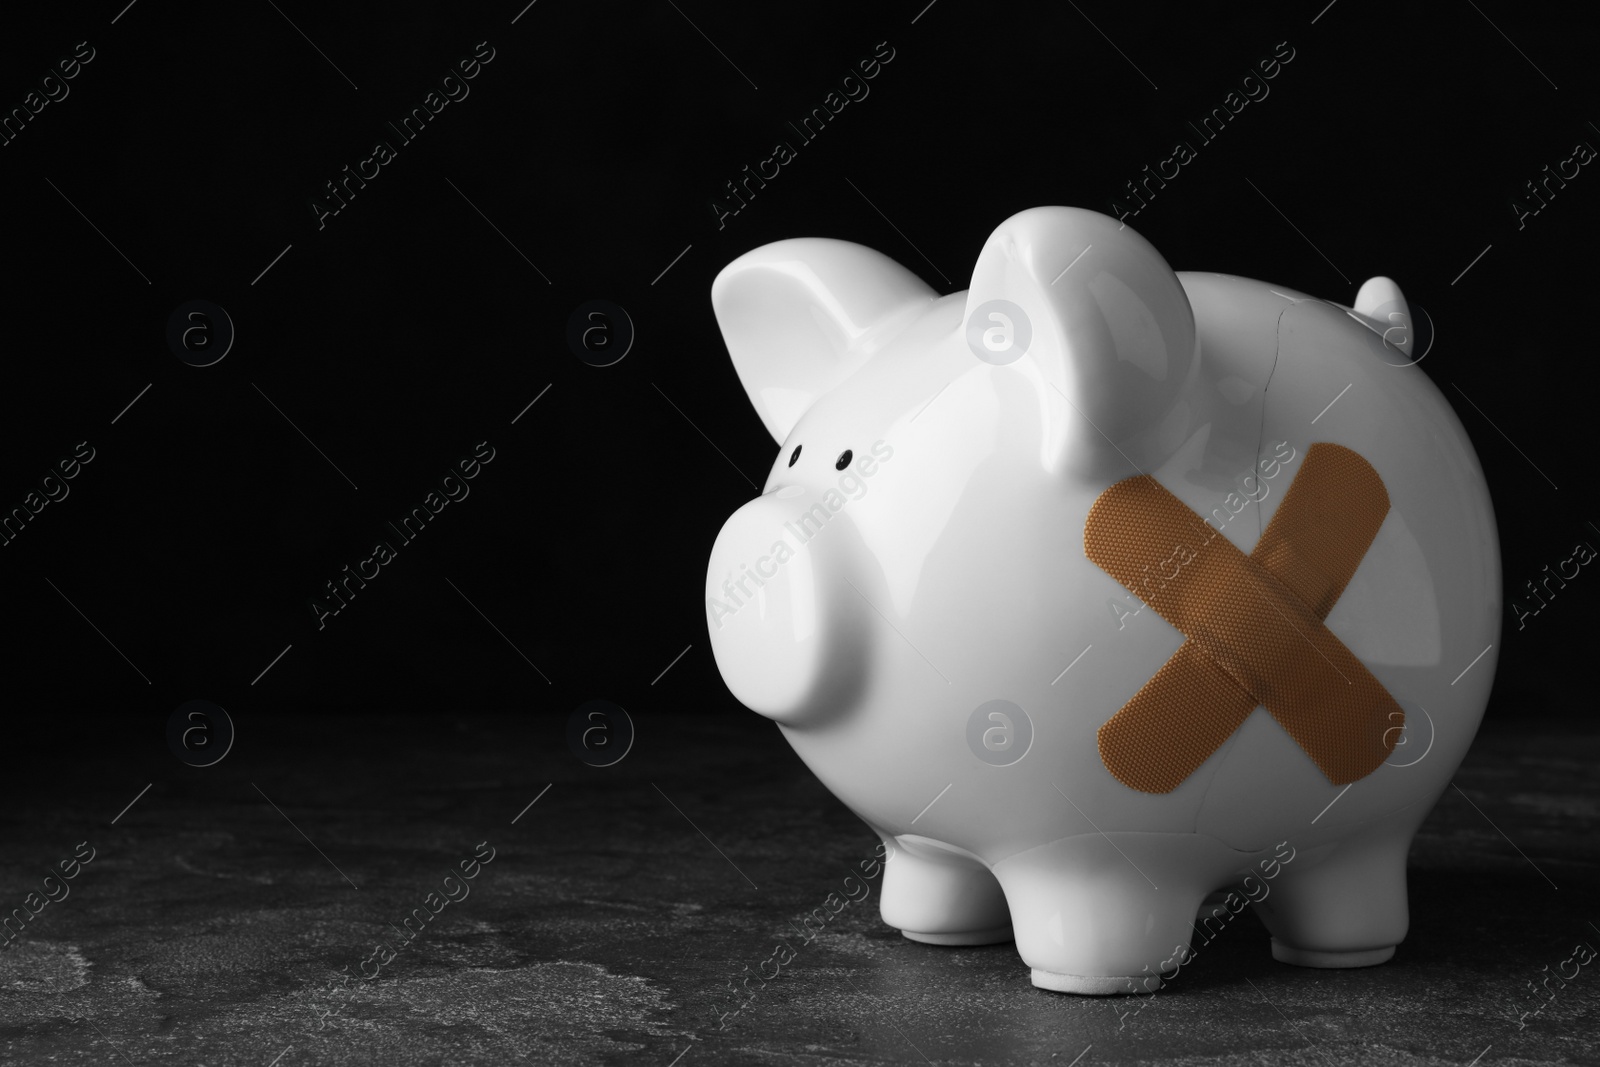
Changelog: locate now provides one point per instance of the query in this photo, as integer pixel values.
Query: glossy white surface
(872, 610)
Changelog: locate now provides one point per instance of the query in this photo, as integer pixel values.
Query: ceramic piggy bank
(1098, 590)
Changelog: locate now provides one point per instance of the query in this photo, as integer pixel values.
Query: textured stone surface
(208, 930)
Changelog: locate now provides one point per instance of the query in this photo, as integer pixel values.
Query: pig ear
(800, 316)
(1382, 308)
(1091, 312)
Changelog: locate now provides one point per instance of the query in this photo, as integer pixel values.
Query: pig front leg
(939, 896)
(1100, 914)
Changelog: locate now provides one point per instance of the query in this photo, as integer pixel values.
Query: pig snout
(788, 641)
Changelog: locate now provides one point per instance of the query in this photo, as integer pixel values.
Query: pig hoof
(1310, 957)
(995, 935)
(1094, 985)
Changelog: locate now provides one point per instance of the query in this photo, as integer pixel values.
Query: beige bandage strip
(1253, 624)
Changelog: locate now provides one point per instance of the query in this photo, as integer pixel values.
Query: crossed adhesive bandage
(1253, 624)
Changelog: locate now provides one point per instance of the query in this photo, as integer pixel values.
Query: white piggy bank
(1097, 587)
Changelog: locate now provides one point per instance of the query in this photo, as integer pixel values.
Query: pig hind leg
(1343, 904)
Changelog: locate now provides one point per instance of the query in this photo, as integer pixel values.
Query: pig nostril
(843, 461)
(794, 455)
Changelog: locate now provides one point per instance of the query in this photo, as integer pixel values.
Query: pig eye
(843, 461)
(794, 455)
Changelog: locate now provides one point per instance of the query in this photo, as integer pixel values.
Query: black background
(407, 329)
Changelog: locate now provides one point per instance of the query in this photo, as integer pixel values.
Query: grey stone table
(220, 909)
